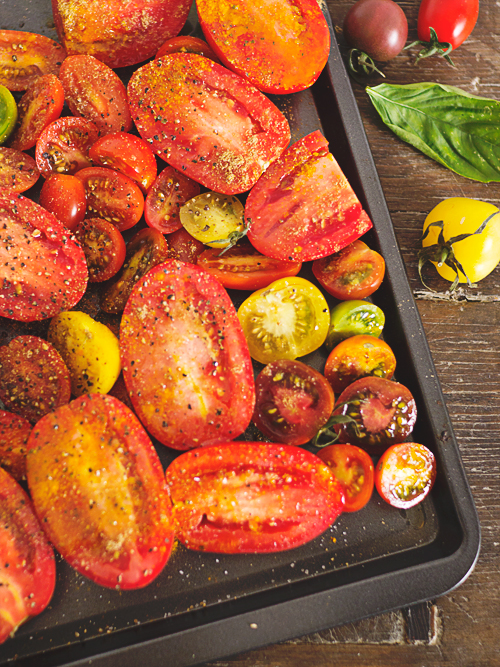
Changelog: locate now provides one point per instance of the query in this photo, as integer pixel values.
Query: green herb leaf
(459, 130)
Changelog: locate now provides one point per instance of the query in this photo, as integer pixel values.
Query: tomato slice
(64, 196)
(353, 468)
(40, 105)
(95, 92)
(184, 247)
(292, 401)
(303, 207)
(63, 146)
(206, 121)
(42, 269)
(249, 497)
(186, 44)
(25, 56)
(287, 319)
(405, 474)
(18, 170)
(112, 196)
(105, 508)
(279, 47)
(353, 318)
(104, 248)
(185, 359)
(214, 219)
(244, 267)
(27, 564)
(8, 113)
(14, 433)
(354, 272)
(34, 379)
(169, 192)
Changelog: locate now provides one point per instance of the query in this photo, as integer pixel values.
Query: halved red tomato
(63, 146)
(353, 468)
(104, 248)
(42, 269)
(251, 497)
(169, 192)
(14, 433)
(244, 267)
(98, 487)
(27, 564)
(186, 44)
(64, 196)
(206, 121)
(185, 359)
(18, 170)
(405, 474)
(25, 56)
(279, 47)
(95, 92)
(184, 247)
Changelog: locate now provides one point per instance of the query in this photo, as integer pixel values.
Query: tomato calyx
(359, 60)
(327, 430)
(432, 47)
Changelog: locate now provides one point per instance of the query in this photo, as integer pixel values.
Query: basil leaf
(455, 128)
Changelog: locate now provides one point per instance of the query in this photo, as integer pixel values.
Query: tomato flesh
(63, 146)
(186, 44)
(405, 474)
(25, 56)
(104, 248)
(168, 193)
(8, 113)
(354, 470)
(14, 433)
(18, 170)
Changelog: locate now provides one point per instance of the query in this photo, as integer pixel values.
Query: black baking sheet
(206, 606)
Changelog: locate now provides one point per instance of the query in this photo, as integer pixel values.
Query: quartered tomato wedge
(64, 196)
(104, 248)
(206, 121)
(63, 146)
(98, 487)
(249, 497)
(42, 269)
(303, 207)
(279, 47)
(18, 170)
(185, 359)
(186, 44)
(405, 474)
(14, 433)
(25, 56)
(354, 470)
(169, 192)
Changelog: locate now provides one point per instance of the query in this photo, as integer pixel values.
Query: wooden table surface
(461, 629)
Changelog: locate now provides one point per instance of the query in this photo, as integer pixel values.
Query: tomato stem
(326, 430)
(361, 60)
(432, 47)
(233, 238)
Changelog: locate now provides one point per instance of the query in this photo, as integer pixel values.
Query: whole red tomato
(453, 20)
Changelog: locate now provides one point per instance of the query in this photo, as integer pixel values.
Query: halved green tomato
(214, 219)
(286, 320)
(8, 113)
(353, 318)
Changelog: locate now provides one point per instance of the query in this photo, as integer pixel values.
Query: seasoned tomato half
(248, 497)
(63, 146)
(14, 434)
(98, 487)
(186, 44)
(405, 474)
(25, 56)
(185, 359)
(206, 121)
(18, 170)
(103, 245)
(169, 191)
(353, 467)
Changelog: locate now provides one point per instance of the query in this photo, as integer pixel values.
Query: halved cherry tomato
(405, 474)
(112, 196)
(27, 564)
(18, 170)
(8, 113)
(145, 250)
(98, 487)
(14, 433)
(128, 154)
(185, 359)
(292, 401)
(42, 269)
(214, 219)
(184, 247)
(34, 380)
(186, 44)
(279, 47)
(95, 92)
(206, 121)
(286, 320)
(25, 56)
(251, 497)
(244, 267)
(40, 105)
(356, 357)
(354, 318)
(303, 207)
(354, 272)
(353, 468)
(104, 248)
(169, 192)
(64, 196)
(63, 146)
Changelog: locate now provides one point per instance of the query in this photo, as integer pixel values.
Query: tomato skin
(354, 470)
(25, 295)
(250, 497)
(63, 146)
(293, 401)
(303, 207)
(185, 359)
(64, 196)
(405, 474)
(18, 170)
(186, 44)
(168, 193)
(354, 272)
(377, 27)
(27, 564)
(104, 248)
(25, 56)
(453, 20)
(14, 433)
(104, 507)
(224, 142)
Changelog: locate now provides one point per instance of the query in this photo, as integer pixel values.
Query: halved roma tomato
(169, 192)
(63, 146)
(206, 121)
(104, 248)
(98, 487)
(186, 44)
(14, 434)
(185, 359)
(353, 468)
(64, 196)
(250, 497)
(18, 170)
(303, 207)
(292, 401)
(25, 56)
(42, 269)
(405, 474)
(27, 565)
(279, 47)
(244, 267)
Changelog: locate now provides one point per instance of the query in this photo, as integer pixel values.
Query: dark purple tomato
(377, 27)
